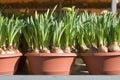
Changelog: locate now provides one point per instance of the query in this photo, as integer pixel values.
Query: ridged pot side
(9, 63)
(50, 64)
(102, 63)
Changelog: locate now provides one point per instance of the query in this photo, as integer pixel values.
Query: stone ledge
(46, 77)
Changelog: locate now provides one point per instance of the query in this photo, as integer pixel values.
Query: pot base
(51, 64)
(9, 63)
(102, 63)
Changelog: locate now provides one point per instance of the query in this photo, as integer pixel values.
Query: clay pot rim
(100, 54)
(51, 54)
(10, 55)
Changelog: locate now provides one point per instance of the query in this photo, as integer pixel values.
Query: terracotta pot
(9, 63)
(50, 64)
(102, 63)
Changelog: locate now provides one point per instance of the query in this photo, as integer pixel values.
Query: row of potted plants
(53, 40)
(46, 33)
(101, 38)
(10, 31)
